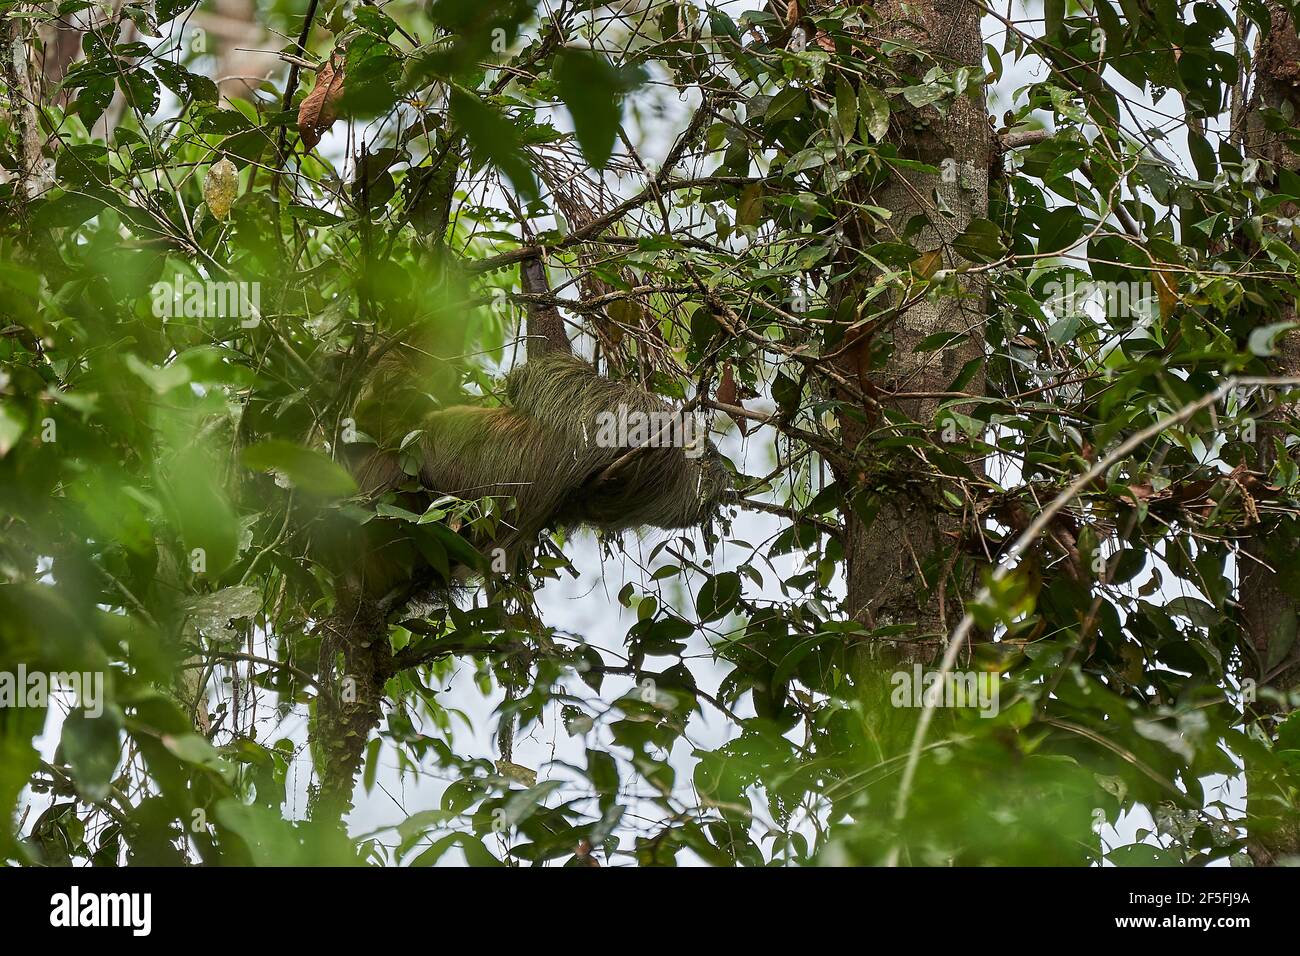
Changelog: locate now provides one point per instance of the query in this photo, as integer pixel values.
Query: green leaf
(170, 9)
(1062, 228)
(371, 771)
(12, 425)
(592, 89)
(161, 380)
(717, 596)
(93, 99)
(193, 749)
(92, 746)
(846, 109)
(787, 104)
(186, 85)
(307, 468)
(1263, 340)
(202, 513)
(980, 242)
(67, 211)
(1141, 854)
(493, 138)
(274, 841)
(923, 94)
(141, 90)
(1207, 164)
(476, 854)
(873, 110)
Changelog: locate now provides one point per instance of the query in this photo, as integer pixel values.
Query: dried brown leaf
(319, 110)
(728, 394)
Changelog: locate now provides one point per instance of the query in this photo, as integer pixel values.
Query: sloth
(555, 449)
(551, 450)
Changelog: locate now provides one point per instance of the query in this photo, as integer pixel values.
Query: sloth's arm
(545, 324)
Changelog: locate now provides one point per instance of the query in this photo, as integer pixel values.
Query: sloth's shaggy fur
(542, 451)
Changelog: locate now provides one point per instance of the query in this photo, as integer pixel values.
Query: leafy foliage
(177, 511)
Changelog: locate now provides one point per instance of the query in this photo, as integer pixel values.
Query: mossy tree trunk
(903, 567)
(355, 662)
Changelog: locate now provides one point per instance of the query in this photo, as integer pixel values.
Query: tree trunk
(1268, 604)
(900, 567)
(355, 661)
(35, 171)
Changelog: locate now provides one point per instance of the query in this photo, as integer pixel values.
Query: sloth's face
(708, 482)
(662, 488)
(716, 481)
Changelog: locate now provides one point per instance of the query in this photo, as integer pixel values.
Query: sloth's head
(648, 464)
(712, 483)
(660, 487)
